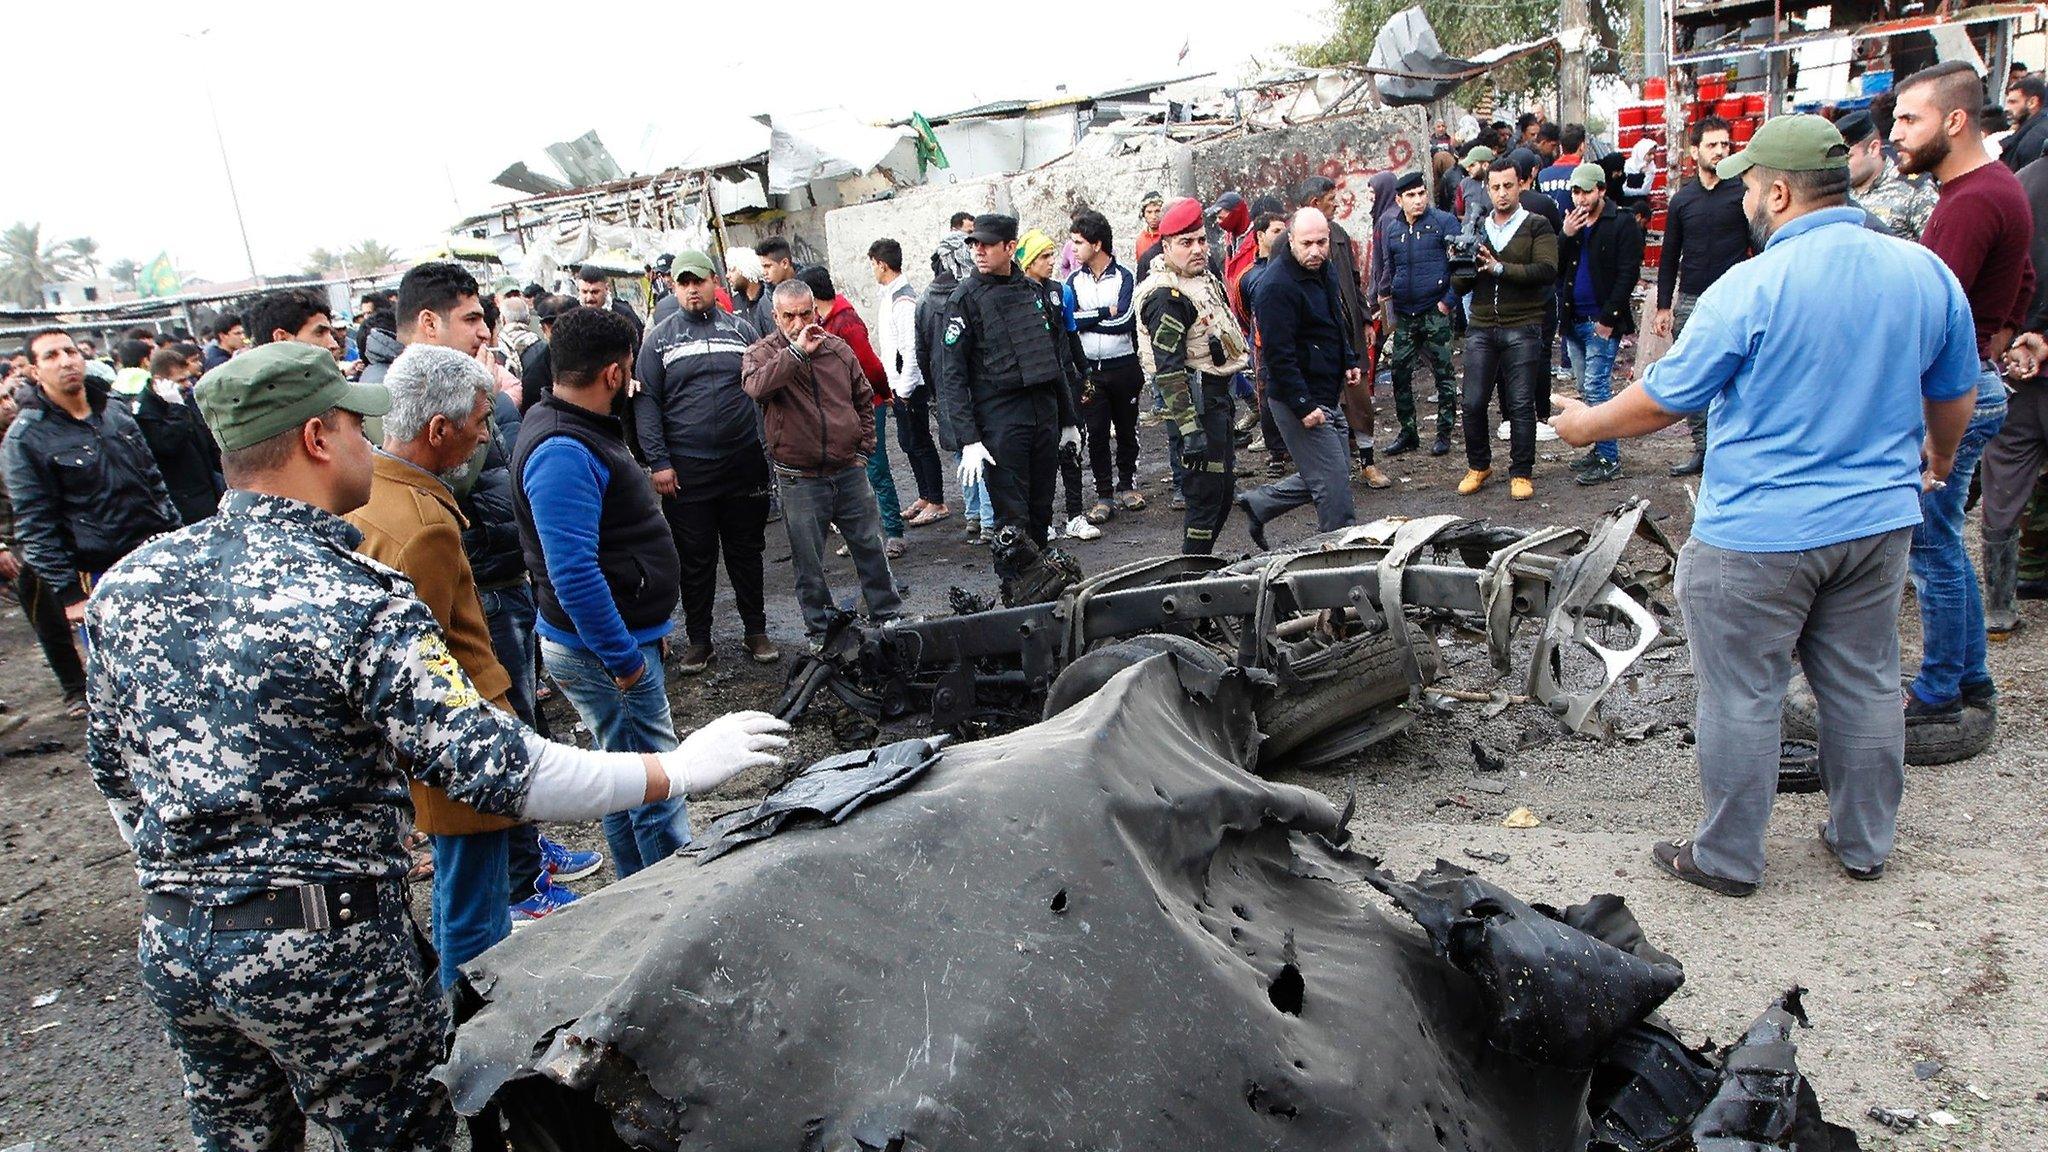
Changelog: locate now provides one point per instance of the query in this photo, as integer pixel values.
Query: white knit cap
(744, 262)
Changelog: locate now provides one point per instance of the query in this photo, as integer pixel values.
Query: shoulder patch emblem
(954, 328)
(440, 663)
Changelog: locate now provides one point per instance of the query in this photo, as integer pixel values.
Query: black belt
(312, 906)
(1114, 361)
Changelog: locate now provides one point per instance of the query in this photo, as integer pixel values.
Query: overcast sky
(386, 121)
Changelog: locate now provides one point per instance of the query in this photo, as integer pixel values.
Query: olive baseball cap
(1789, 144)
(1587, 177)
(693, 264)
(1479, 155)
(276, 388)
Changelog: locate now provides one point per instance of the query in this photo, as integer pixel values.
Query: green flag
(158, 278)
(930, 153)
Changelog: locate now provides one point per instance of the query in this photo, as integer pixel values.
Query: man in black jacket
(1309, 359)
(1707, 233)
(1003, 386)
(185, 453)
(85, 488)
(1599, 259)
(1320, 193)
(2024, 100)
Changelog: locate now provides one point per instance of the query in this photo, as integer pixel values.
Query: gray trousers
(1322, 459)
(844, 498)
(1746, 615)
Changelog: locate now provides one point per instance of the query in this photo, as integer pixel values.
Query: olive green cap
(693, 264)
(1587, 177)
(1479, 155)
(1789, 144)
(276, 388)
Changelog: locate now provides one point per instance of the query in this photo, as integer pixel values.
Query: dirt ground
(1918, 983)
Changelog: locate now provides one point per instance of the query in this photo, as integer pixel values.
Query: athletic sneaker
(563, 863)
(547, 899)
(1544, 432)
(1080, 529)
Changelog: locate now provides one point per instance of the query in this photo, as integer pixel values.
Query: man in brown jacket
(440, 401)
(817, 416)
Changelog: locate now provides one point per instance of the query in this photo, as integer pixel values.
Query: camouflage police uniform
(1191, 345)
(1901, 203)
(253, 683)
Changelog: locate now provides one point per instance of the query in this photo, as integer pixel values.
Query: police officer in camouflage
(1191, 345)
(255, 686)
(1899, 202)
(1004, 385)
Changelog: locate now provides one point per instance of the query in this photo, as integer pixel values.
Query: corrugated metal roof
(999, 108)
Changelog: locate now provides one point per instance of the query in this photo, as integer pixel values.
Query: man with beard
(1983, 230)
(1826, 428)
(1900, 203)
(1003, 385)
(1191, 345)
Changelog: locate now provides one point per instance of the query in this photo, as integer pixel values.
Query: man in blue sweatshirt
(604, 565)
(1412, 277)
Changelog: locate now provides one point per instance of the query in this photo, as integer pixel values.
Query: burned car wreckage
(1101, 931)
(1338, 631)
(1104, 930)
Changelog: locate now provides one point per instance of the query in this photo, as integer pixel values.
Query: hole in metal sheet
(1288, 990)
(1059, 901)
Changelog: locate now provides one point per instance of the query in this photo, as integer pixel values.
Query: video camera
(1462, 253)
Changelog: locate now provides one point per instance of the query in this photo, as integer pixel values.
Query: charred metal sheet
(1763, 1102)
(1097, 932)
(829, 791)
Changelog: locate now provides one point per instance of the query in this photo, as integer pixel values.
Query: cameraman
(1516, 265)
(1412, 279)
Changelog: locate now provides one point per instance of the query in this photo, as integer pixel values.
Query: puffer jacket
(490, 535)
(382, 349)
(1412, 264)
(84, 496)
(817, 411)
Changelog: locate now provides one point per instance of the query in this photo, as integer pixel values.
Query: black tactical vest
(635, 551)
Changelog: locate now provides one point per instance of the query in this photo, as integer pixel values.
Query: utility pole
(220, 142)
(1574, 73)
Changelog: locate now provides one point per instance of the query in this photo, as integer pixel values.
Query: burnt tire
(1080, 679)
(1351, 680)
(1926, 744)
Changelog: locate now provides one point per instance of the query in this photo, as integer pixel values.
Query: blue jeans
(635, 720)
(1944, 580)
(974, 503)
(1593, 370)
(509, 614)
(882, 480)
(470, 913)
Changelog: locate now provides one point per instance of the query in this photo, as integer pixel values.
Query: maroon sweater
(1983, 229)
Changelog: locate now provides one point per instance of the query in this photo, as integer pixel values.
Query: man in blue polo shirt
(1822, 431)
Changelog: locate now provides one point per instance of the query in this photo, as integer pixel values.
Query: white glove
(1070, 437)
(723, 749)
(973, 459)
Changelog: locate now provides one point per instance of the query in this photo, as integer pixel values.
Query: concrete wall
(915, 218)
(1347, 151)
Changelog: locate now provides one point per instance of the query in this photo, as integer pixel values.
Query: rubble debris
(828, 791)
(46, 999)
(1926, 1069)
(1896, 1119)
(1489, 857)
(1763, 1096)
(1942, 1119)
(1024, 935)
(1522, 818)
(1486, 759)
(38, 748)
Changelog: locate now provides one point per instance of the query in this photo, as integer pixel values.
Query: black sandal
(1674, 857)
(1874, 872)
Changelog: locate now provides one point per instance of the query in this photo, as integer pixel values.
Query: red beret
(1182, 215)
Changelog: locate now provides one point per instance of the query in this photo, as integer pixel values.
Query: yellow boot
(1520, 488)
(1474, 478)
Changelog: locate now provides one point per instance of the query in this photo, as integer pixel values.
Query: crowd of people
(484, 490)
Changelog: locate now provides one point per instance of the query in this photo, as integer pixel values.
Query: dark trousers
(46, 617)
(702, 528)
(914, 435)
(1209, 482)
(1021, 431)
(1511, 358)
(1109, 406)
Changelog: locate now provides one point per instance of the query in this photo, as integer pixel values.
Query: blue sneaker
(548, 897)
(563, 863)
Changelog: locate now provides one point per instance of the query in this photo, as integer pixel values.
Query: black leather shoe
(1920, 712)
(2032, 589)
(1253, 525)
(1403, 444)
(1442, 446)
(1691, 465)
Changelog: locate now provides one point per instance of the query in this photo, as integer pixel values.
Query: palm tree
(124, 271)
(369, 256)
(318, 261)
(27, 263)
(86, 252)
